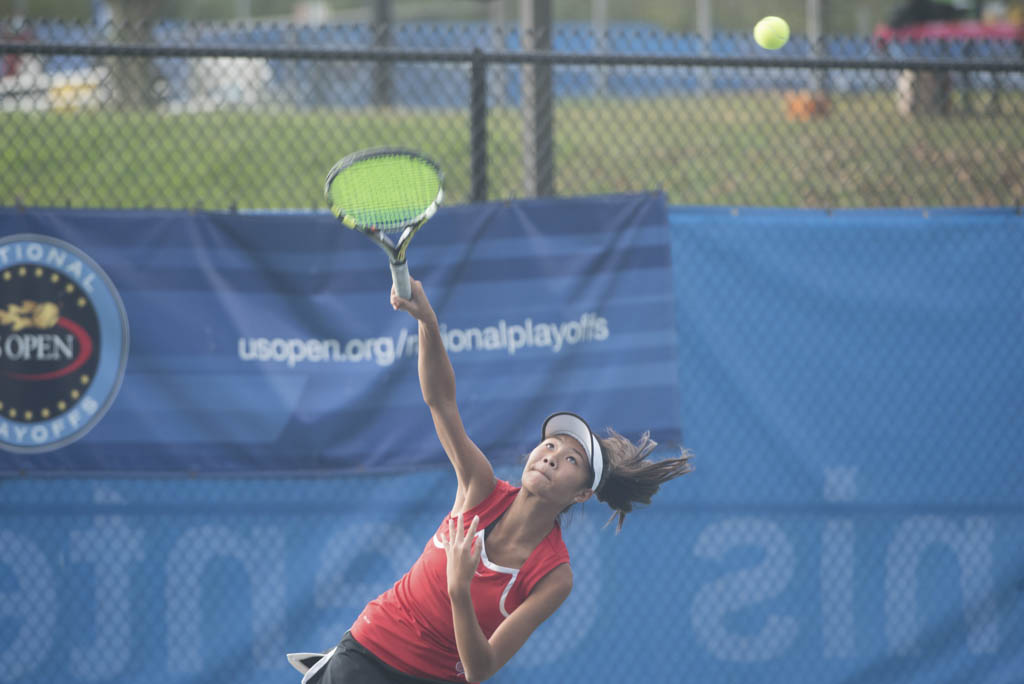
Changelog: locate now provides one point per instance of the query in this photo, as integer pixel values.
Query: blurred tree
(65, 9)
(134, 78)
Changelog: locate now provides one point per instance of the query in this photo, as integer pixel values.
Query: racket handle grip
(400, 277)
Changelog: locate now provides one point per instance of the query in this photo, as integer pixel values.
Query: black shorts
(352, 663)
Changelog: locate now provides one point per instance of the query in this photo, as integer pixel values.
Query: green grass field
(734, 149)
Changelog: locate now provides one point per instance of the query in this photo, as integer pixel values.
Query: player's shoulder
(558, 581)
(501, 490)
(497, 499)
(504, 487)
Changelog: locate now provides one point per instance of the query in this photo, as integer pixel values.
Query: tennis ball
(771, 33)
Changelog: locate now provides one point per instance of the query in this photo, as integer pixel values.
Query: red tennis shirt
(410, 626)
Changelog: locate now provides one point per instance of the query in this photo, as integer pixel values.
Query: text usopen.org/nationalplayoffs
(385, 350)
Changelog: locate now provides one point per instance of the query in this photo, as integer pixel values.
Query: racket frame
(395, 250)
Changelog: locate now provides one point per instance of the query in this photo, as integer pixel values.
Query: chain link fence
(252, 115)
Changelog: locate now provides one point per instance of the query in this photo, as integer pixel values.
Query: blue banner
(266, 342)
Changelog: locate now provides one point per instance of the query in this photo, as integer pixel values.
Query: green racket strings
(388, 191)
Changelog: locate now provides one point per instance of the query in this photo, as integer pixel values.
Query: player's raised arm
(437, 382)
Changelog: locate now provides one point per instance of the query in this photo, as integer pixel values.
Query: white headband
(577, 428)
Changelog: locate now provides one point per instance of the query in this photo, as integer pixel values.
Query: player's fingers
(470, 535)
(397, 302)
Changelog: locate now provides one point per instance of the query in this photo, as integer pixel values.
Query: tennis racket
(387, 194)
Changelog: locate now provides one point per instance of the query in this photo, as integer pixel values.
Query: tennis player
(496, 567)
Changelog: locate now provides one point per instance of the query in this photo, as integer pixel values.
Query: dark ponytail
(631, 478)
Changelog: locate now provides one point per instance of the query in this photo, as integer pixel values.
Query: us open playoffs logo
(63, 343)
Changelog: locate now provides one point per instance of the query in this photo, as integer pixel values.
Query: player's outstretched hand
(417, 306)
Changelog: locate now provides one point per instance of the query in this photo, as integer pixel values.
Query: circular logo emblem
(63, 343)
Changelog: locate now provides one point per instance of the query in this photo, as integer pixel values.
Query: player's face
(557, 468)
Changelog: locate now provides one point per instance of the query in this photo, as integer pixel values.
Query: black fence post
(538, 100)
(382, 69)
(478, 126)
